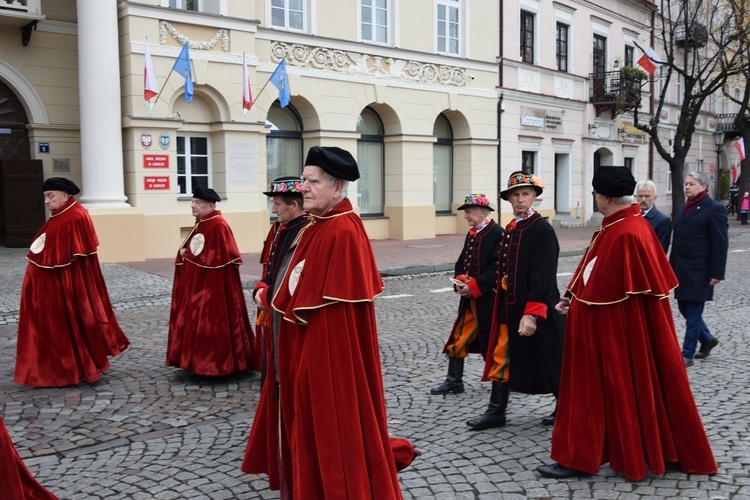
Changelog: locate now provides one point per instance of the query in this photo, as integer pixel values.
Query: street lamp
(719, 142)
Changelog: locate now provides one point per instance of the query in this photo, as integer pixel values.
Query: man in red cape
(624, 394)
(209, 329)
(66, 326)
(334, 441)
(16, 482)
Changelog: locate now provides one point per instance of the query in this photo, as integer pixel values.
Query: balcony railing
(618, 91)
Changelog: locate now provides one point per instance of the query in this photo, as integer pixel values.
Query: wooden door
(22, 200)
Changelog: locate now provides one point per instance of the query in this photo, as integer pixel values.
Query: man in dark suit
(645, 193)
(699, 259)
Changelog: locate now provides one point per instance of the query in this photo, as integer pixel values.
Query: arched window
(283, 143)
(370, 187)
(442, 165)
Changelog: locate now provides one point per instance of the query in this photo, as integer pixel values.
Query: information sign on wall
(155, 161)
(154, 183)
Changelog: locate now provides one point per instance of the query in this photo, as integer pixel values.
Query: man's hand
(257, 298)
(527, 326)
(563, 306)
(714, 281)
(463, 290)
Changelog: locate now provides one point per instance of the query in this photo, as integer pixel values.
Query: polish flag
(739, 145)
(149, 78)
(650, 61)
(247, 96)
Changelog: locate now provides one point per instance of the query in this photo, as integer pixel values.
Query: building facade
(435, 99)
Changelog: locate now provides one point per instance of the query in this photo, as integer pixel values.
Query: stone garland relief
(221, 35)
(353, 63)
(365, 64)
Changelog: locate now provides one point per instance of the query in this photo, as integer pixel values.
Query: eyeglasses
(593, 192)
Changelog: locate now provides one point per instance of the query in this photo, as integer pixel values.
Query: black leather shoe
(557, 471)
(448, 387)
(550, 420)
(706, 349)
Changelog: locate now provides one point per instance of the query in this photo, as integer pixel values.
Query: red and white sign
(146, 140)
(156, 183)
(155, 161)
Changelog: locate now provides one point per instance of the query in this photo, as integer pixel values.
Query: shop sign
(155, 161)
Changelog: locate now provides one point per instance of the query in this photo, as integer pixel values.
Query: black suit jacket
(662, 226)
(699, 249)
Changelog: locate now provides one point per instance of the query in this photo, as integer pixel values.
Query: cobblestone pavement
(146, 431)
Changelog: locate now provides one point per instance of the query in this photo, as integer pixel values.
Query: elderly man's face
(285, 213)
(475, 215)
(201, 208)
(646, 198)
(521, 199)
(55, 199)
(318, 194)
(692, 187)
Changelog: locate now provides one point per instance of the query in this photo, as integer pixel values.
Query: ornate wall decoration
(222, 35)
(563, 88)
(529, 81)
(356, 63)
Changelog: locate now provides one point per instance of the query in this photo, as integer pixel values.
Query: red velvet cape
(66, 326)
(624, 394)
(209, 329)
(16, 482)
(334, 435)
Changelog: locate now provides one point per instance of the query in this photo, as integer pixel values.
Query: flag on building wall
(650, 61)
(182, 66)
(739, 145)
(247, 95)
(149, 78)
(280, 79)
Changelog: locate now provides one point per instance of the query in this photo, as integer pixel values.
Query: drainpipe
(651, 106)
(500, 108)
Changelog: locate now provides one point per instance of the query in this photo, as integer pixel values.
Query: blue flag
(280, 79)
(182, 66)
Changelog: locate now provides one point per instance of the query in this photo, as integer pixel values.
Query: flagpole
(165, 84)
(264, 86)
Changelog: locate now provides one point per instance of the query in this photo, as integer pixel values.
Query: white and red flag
(247, 95)
(149, 78)
(739, 145)
(650, 61)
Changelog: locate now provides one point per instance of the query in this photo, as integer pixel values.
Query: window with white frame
(678, 97)
(662, 78)
(669, 180)
(449, 27)
(207, 6)
(629, 56)
(561, 47)
(527, 36)
(288, 14)
(528, 162)
(193, 163)
(442, 165)
(374, 21)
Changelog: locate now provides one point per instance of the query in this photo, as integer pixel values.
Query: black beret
(288, 185)
(206, 194)
(336, 162)
(60, 184)
(613, 181)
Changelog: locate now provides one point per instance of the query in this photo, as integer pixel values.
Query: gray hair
(344, 183)
(628, 199)
(647, 184)
(700, 177)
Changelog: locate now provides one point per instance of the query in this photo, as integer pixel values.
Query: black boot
(495, 414)
(550, 420)
(455, 381)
